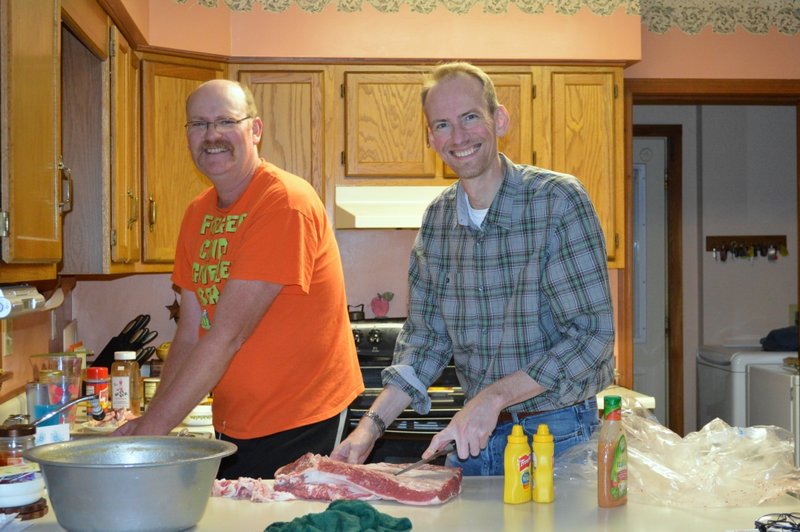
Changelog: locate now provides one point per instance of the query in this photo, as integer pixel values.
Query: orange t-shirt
(299, 366)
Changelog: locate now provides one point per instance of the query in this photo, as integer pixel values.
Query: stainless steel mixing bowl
(131, 483)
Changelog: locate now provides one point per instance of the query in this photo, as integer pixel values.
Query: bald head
(232, 90)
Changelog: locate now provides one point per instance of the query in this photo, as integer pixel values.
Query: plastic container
(543, 450)
(517, 461)
(14, 440)
(126, 383)
(612, 456)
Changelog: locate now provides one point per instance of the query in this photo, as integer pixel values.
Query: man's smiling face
(215, 153)
(460, 127)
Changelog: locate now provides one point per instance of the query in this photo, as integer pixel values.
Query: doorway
(657, 260)
(685, 92)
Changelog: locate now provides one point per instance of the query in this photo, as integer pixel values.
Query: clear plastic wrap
(717, 466)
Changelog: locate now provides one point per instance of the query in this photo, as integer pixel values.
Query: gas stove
(375, 340)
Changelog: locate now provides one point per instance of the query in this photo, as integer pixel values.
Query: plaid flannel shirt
(528, 290)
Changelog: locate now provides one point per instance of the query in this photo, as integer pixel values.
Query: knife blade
(449, 448)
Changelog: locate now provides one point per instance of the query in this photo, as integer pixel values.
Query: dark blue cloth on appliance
(784, 339)
(344, 516)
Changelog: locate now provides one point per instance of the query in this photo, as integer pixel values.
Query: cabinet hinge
(3, 223)
(616, 240)
(112, 43)
(113, 238)
(341, 90)
(533, 158)
(533, 92)
(343, 158)
(616, 91)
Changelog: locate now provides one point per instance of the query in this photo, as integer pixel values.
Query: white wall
(739, 177)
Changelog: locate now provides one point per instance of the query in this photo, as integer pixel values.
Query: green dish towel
(344, 516)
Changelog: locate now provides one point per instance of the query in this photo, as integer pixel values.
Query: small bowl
(199, 416)
(21, 493)
(163, 350)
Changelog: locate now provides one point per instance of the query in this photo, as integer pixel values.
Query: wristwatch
(377, 420)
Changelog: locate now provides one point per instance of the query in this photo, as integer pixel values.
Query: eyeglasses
(223, 125)
(771, 522)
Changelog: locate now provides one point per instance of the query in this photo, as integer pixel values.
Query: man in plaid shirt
(507, 278)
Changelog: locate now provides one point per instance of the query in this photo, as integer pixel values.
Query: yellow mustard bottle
(543, 451)
(517, 462)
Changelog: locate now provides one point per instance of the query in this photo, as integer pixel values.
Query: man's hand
(357, 446)
(470, 428)
(127, 429)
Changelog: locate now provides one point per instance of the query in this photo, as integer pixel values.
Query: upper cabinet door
(31, 181)
(385, 133)
(171, 179)
(290, 104)
(580, 132)
(126, 176)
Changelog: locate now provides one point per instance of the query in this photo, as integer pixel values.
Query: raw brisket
(320, 478)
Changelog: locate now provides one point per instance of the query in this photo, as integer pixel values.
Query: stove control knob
(375, 337)
(358, 336)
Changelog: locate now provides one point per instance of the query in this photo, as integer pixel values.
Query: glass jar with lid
(14, 440)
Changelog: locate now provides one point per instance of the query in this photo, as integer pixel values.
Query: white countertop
(647, 401)
(480, 507)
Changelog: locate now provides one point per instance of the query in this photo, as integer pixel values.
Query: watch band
(377, 420)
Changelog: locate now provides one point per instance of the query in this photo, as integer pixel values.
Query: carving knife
(449, 448)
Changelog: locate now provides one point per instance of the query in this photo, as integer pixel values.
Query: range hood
(382, 207)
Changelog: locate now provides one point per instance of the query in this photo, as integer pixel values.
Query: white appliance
(773, 394)
(722, 381)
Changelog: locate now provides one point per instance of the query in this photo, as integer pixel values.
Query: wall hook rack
(747, 246)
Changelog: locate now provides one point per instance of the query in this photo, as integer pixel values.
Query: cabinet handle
(152, 203)
(134, 209)
(65, 206)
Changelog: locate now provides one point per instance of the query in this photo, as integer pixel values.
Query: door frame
(674, 278)
(687, 92)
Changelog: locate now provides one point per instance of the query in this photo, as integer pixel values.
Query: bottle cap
(611, 403)
(97, 372)
(517, 435)
(543, 434)
(124, 355)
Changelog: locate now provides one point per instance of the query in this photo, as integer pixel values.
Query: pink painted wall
(739, 55)
(441, 34)
(372, 34)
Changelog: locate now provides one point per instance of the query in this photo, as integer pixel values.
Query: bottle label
(619, 470)
(524, 467)
(121, 392)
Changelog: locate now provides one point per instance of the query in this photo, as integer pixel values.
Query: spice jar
(97, 383)
(14, 440)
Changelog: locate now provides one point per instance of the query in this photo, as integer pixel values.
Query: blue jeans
(569, 426)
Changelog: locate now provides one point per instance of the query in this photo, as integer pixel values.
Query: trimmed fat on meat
(318, 477)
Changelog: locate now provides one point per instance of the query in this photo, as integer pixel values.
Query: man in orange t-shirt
(263, 319)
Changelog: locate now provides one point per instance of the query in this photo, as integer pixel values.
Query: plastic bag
(717, 466)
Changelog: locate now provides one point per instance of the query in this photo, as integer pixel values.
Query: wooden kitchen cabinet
(126, 175)
(100, 112)
(578, 129)
(30, 222)
(384, 126)
(291, 107)
(170, 180)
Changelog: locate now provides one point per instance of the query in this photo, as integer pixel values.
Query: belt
(505, 417)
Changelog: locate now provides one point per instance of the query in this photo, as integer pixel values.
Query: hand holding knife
(449, 448)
